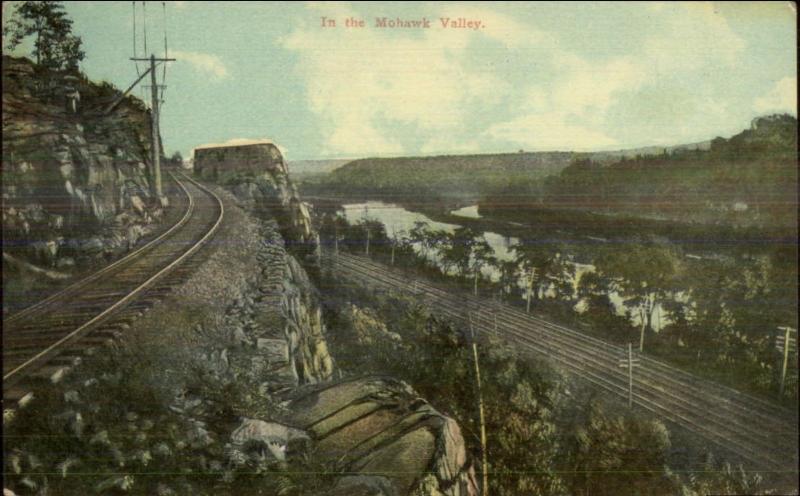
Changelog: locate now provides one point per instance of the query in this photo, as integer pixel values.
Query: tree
(643, 275)
(419, 236)
(550, 268)
(616, 455)
(457, 250)
(482, 255)
(55, 46)
(364, 229)
(332, 228)
(509, 276)
(177, 159)
(530, 258)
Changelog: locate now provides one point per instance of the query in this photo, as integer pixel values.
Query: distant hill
(445, 176)
(305, 169)
(453, 177)
(749, 179)
(612, 156)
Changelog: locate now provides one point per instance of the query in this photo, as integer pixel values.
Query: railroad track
(43, 341)
(760, 433)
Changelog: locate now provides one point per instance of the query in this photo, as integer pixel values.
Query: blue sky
(533, 76)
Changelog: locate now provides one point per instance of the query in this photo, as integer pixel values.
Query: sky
(517, 76)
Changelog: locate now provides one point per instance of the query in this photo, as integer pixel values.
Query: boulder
(273, 436)
(379, 427)
(363, 485)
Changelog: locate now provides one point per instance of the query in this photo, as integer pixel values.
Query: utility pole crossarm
(125, 93)
(148, 59)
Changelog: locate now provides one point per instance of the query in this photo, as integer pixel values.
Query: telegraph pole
(156, 155)
(394, 242)
(484, 456)
(629, 363)
(630, 376)
(530, 289)
(784, 344)
(156, 137)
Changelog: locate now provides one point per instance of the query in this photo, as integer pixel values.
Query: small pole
(394, 241)
(477, 271)
(367, 241)
(786, 338)
(641, 336)
(480, 410)
(630, 376)
(495, 322)
(530, 289)
(335, 238)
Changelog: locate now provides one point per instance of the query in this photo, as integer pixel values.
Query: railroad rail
(762, 434)
(46, 339)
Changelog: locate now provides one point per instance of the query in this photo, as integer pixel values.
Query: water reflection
(399, 222)
(470, 212)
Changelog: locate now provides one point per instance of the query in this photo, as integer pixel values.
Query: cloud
(691, 36)
(564, 114)
(362, 83)
(203, 62)
(642, 97)
(549, 131)
(781, 98)
(512, 85)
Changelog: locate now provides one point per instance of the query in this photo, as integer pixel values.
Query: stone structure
(261, 181)
(212, 162)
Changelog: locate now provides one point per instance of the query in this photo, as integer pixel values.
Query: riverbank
(728, 352)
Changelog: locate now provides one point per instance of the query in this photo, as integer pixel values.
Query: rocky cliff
(376, 430)
(75, 179)
(259, 177)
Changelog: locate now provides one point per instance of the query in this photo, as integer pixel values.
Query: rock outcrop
(258, 176)
(75, 184)
(277, 329)
(385, 437)
(376, 430)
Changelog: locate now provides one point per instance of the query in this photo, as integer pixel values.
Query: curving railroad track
(760, 433)
(44, 340)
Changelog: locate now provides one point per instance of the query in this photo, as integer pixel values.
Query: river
(399, 221)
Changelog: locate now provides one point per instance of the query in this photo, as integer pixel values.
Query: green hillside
(447, 176)
(749, 179)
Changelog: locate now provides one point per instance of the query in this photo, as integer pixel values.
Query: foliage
(176, 159)
(55, 47)
(439, 176)
(537, 443)
(724, 478)
(643, 275)
(747, 180)
(612, 454)
(521, 397)
(719, 314)
(547, 267)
